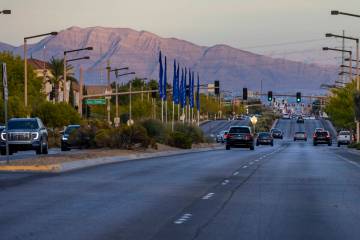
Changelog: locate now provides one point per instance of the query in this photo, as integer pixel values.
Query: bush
(180, 140)
(155, 129)
(354, 145)
(194, 133)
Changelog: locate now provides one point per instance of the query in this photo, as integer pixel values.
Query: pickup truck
(343, 138)
(24, 134)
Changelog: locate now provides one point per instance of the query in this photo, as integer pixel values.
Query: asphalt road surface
(214, 127)
(290, 191)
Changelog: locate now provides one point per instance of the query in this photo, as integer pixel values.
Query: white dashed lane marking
(235, 173)
(226, 181)
(183, 218)
(208, 196)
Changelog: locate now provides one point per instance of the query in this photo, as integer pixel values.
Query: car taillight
(328, 135)
(226, 136)
(314, 136)
(248, 137)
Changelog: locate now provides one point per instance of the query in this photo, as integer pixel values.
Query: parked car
(300, 136)
(66, 145)
(343, 138)
(286, 116)
(221, 136)
(300, 119)
(323, 137)
(276, 133)
(240, 136)
(264, 138)
(24, 134)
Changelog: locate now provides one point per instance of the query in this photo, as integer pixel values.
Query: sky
(285, 28)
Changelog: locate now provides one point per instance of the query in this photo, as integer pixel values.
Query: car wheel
(46, 149)
(315, 143)
(339, 144)
(227, 147)
(272, 144)
(252, 147)
(294, 139)
(257, 144)
(40, 148)
(329, 144)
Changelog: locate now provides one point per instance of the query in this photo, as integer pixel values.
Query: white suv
(343, 138)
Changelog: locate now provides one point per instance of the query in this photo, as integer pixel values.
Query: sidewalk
(85, 163)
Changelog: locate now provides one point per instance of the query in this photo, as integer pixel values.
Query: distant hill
(139, 50)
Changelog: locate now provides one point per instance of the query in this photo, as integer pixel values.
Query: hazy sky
(239, 23)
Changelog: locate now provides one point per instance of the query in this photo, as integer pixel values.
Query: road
(214, 127)
(290, 191)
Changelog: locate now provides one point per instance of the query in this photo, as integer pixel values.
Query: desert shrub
(135, 134)
(354, 145)
(180, 140)
(155, 129)
(193, 132)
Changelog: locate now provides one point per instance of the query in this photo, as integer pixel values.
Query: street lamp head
(6, 11)
(89, 48)
(86, 57)
(132, 73)
(325, 48)
(334, 12)
(54, 33)
(329, 35)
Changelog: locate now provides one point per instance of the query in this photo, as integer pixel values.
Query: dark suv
(240, 136)
(66, 145)
(24, 134)
(322, 137)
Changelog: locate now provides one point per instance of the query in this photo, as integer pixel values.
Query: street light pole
(25, 60)
(336, 12)
(65, 98)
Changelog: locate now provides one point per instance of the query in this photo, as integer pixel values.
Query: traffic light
(270, 96)
(217, 87)
(153, 94)
(245, 94)
(357, 105)
(298, 97)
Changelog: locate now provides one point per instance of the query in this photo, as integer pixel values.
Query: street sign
(99, 101)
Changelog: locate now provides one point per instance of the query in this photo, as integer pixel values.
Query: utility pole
(81, 83)
(108, 90)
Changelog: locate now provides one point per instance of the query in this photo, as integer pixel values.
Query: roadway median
(61, 163)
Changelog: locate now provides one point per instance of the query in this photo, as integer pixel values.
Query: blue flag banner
(181, 88)
(191, 92)
(198, 93)
(161, 72)
(177, 84)
(184, 89)
(174, 82)
(165, 81)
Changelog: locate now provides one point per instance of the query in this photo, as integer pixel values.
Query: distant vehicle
(343, 138)
(323, 137)
(264, 138)
(240, 136)
(276, 133)
(300, 136)
(24, 134)
(65, 144)
(300, 119)
(286, 116)
(221, 136)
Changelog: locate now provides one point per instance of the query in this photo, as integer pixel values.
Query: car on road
(66, 145)
(300, 119)
(343, 138)
(240, 136)
(264, 138)
(277, 133)
(322, 137)
(221, 136)
(286, 116)
(300, 136)
(24, 134)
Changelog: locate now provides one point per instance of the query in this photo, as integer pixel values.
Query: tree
(340, 106)
(15, 76)
(57, 72)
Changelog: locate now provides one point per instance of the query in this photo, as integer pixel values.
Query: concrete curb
(82, 164)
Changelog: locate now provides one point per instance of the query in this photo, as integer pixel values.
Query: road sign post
(6, 98)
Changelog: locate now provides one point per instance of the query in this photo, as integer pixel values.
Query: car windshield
(71, 129)
(321, 134)
(264, 135)
(239, 130)
(23, 124)
(344, 133)
(300, 134)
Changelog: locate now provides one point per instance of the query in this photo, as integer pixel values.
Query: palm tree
(57, 71)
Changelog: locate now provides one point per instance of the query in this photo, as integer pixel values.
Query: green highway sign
(99, 101)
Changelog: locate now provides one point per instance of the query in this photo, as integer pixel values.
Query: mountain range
(139, 51)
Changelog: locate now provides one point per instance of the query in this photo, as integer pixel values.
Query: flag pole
(173, 117)
(162, 110)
